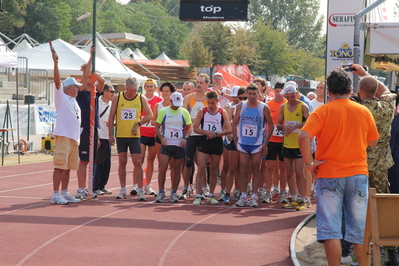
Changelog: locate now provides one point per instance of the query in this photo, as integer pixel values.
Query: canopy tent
(70, 60)
(22, 46)
(3, 46)
(129, 54)
(139, 54)
(103, 54)
(162, 56)
(382, 48)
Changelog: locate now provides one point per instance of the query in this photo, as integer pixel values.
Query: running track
(128, 232)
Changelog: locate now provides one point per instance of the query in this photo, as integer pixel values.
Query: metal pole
(356, 38)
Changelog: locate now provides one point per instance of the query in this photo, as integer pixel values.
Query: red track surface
(128, 232)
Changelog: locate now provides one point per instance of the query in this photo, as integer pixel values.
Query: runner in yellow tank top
(294, 114)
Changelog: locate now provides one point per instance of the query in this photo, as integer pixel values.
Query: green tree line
(281, 37)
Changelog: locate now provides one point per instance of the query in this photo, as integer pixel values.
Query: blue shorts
(249, 149)
(335, 195)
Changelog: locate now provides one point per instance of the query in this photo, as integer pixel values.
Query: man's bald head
(369, 86)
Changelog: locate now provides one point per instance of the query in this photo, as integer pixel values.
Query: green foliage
(244, 46)
(196, 52)
(309, 66)
(12, 17)
(298, 18)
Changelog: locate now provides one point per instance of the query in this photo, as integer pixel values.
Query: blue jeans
(338, 195)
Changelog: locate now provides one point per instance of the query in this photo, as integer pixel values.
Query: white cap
(291, 82)
(177, 99)
(218, 74)
(288, 88)
(71, 81)
(234, 91)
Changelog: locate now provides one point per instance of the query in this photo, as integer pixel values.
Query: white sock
(64, 192)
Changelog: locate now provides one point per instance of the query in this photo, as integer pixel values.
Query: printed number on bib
(148, 124)
(212, 127)
(278, 133)
(293, 123)
(173, 133)
(249, 131)
(128, 114)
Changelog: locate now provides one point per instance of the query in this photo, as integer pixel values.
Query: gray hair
(66, 87)
(189, 83)
(132, 82)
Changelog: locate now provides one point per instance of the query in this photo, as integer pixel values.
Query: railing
(38, 80)
(22, 72)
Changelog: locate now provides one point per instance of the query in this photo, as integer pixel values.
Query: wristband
(138, 123)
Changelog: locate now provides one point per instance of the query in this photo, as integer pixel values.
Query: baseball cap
(71, 81)
(234, 91)
(218, 74)
(291, 82)
(288, 88)
(177, 99)
(150, 81)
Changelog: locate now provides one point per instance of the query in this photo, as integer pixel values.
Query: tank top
(212, 122)
(173, 127)
(277, 135)
(147, 129)
(294, 118)
(193, 107)
(127, 115)
(252, 124)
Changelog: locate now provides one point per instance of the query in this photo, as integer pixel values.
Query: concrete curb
(294, 258)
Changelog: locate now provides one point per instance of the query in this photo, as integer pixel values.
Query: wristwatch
(185, 137)
(308, 165)
(138, 123)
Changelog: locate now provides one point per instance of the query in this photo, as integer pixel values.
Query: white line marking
(26, 207)
(30, 173)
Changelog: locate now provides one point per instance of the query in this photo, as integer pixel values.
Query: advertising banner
(340, 32)
(216, 10)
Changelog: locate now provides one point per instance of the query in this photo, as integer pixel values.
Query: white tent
(139, 54)
(129, 54)
(70, 60)
(22, 46)
(3, 46)
(163, 56)
(103, 54)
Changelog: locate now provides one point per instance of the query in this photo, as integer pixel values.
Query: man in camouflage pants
(381, 103)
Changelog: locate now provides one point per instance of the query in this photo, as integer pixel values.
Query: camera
(349, 68)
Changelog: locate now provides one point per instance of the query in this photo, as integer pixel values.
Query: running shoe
(205, 191)
(148, 190)
(121, 195)
(267, 198)
(191, 189)
(308, 202)
(226, 199)
(185, 194)
(82, 194)
(346, 260)
(221, 195)
(106, 191)
(291, 205)
(301, 205)
(71, 199)
(141, 196)
(254, 202)
(262, 193)
(58, 199)
(282, 197)
(174, 197)
(98, 192)
(313, 192)
(236, 195)
(242, 202)
(249, 188)
(197, 201)
(160, 197)
(274, 193)
(212, 200)
(133, 191)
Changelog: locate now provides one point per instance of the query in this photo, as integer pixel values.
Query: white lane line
(30, 173)
(168, 249)
(27, 257)
(26, 207)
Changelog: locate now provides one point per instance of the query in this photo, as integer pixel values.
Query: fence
(38, 80)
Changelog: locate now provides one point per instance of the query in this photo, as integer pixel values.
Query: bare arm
(100, 83)
(86, 68)
(226, 125)
(57, 79)
(304, 141)
(155, 115)
(236, 121)
(111, 119)
(372, 142)
(280, 120)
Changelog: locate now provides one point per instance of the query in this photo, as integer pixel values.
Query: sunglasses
(217, 77)
(111, 91)
(242, 98)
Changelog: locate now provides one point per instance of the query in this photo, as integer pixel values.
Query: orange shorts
(66, 153)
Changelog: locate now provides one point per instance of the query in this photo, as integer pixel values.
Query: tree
(276, 56)
(196, 53)
(244, 46)
(309, 65)
(47, 20)
(12, 17)
(298, 18)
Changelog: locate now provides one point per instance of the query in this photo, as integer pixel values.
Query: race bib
(277, 132)
(293, 123)
(173, 133)
(249, 131)
(148, 124)
(128, 114)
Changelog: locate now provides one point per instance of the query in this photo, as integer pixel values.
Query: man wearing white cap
(66, 135)
(173, 120)
(292, 116)
(223, 92)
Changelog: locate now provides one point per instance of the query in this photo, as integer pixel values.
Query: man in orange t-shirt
(343, 129)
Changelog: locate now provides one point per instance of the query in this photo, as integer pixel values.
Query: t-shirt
(173, 123)
(68, 115)
(315, 104)
(342, 128)
(277, 135)
(83, 99)
(102, 106)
